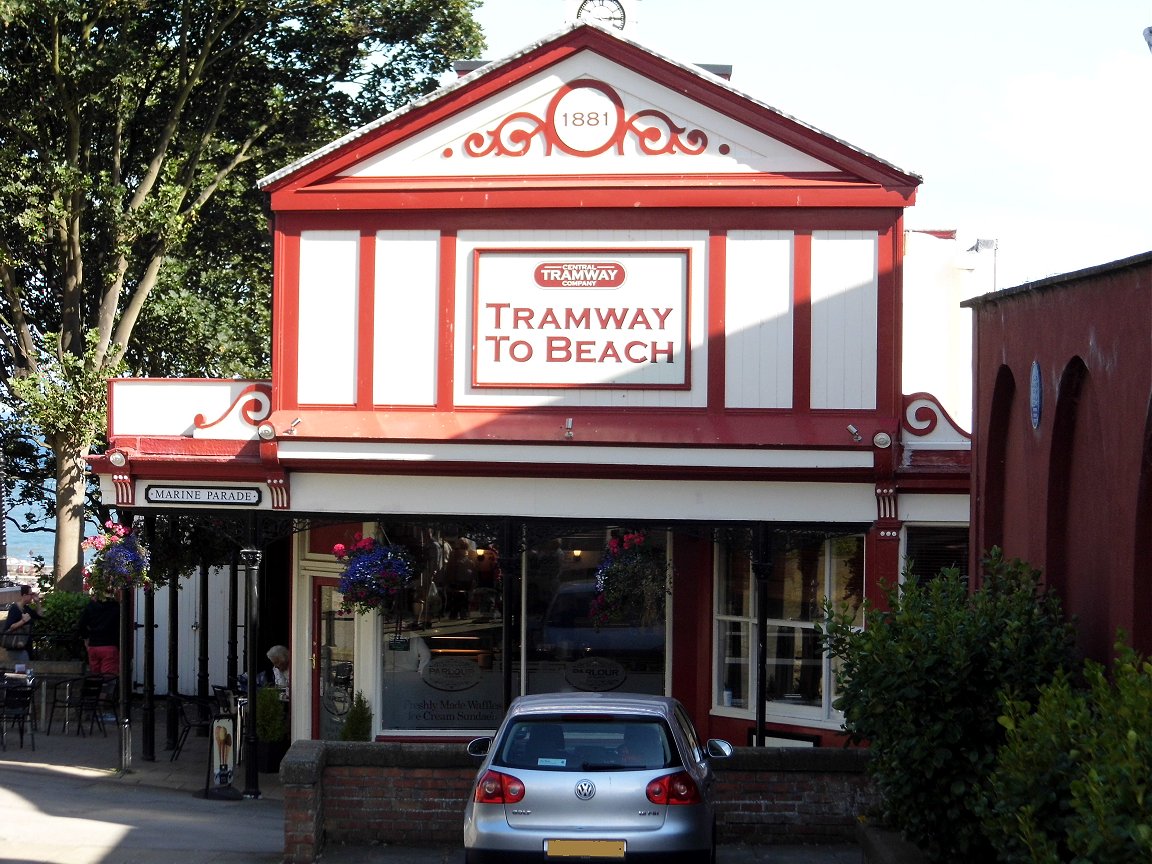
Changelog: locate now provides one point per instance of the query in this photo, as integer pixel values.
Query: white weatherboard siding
(329, 313)
(406, 320)
(844, 316)
(584, 499)
(758, 320)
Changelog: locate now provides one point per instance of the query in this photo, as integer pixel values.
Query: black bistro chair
(16, 711)
(79, 698)
(195, 713)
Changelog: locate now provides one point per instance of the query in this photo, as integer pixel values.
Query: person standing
(22, 615)
(99, 627)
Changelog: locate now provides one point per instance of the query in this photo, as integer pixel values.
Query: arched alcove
(995, 461)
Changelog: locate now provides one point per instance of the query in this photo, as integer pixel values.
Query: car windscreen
(587, 743)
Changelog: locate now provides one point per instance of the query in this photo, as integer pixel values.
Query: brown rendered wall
(1071, 496)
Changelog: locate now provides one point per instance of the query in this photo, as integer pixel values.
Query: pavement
(68, 801)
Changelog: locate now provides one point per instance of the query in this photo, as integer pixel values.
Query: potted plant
(358, 723)
(271, 730)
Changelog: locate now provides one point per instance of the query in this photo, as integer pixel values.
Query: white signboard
(213, 495)
(560, 318)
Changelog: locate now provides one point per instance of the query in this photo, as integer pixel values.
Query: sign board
(215, 496)
(572, 318)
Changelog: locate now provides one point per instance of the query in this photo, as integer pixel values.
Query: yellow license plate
(584, 848)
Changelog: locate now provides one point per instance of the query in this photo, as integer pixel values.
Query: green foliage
(271, 724)
(131, 136)
(1072, 782)
(55, 634)
(921, 684)
(67, 396)
(358, 723)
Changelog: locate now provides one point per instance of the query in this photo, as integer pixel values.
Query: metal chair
(195, 713)
(82, 698)
(79, 697)
(16, 710)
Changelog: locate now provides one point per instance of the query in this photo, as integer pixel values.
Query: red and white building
(582, 289)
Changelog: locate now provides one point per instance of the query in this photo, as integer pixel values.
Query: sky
(1030, 122)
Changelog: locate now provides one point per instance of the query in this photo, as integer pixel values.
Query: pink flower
(338, 550)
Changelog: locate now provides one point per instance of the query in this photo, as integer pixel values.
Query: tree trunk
(71, 486)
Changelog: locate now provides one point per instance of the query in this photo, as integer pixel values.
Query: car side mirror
(479, 746)
(718, 748)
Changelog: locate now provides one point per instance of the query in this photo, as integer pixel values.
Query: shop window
(575, 641)
(803, 571)
(928, 549)
(442, 644)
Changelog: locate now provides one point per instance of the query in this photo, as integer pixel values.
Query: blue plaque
(1036, 395)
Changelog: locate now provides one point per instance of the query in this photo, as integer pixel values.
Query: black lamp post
(250, 558)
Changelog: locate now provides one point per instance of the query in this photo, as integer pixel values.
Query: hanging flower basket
(631, 582)
(121, 561)
(375, 574)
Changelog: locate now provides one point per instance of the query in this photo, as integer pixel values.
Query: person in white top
(278, 654)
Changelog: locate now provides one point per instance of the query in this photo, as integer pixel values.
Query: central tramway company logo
(580, 274)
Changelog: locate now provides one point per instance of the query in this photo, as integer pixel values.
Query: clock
(606, 13)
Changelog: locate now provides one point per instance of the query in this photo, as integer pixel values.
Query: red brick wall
(414, 795)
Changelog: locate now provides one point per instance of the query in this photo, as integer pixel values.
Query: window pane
(796, 585)
(576, 643)
(795, 667)
(931, 549)
(735, 585)
(847, 588)
(734, 639)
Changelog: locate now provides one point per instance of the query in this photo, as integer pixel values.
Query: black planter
(269, 754)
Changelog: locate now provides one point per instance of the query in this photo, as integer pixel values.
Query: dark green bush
(271, 716)
(1073, 781)
(358, 724)
(922, 683)
(55, 633)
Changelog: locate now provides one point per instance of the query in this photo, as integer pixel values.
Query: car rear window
(574, 743)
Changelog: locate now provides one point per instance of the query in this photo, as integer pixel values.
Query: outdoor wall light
(568, 428)
(882, 440)
(266, 431)
(118, 458)
(855, 433)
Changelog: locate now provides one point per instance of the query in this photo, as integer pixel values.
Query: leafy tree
(131, 134)
(923, 685)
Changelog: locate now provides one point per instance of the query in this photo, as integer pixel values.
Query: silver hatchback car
(593, 776)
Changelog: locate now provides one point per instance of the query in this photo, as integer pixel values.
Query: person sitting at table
(278, 654)
(99, 627)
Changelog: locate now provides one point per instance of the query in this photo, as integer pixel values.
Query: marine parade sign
(215, 496)
(602, 319)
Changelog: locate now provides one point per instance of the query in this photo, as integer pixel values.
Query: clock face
(607, 13)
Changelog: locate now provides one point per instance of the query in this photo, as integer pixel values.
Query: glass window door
(333, 660)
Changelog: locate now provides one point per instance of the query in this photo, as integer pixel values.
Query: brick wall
(414, 794)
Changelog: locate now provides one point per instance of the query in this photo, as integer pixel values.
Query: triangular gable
(586, 102)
